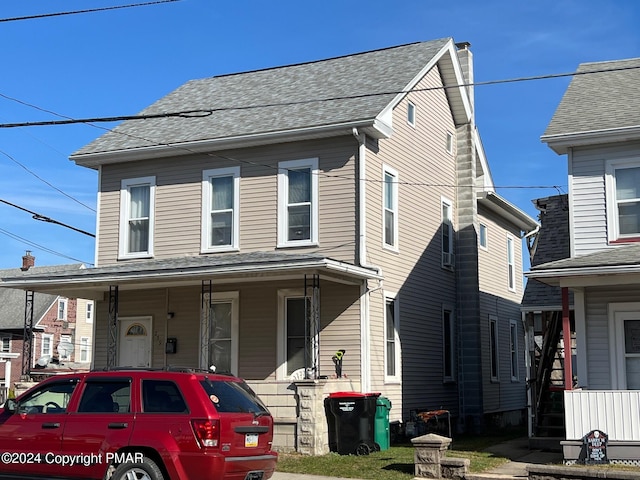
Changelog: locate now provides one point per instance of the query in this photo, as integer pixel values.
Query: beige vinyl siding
(493, 267)
(414, 273)
(179, 197)
(587, 173)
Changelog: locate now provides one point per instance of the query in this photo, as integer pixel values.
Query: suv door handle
(118, 425)
(51, 425)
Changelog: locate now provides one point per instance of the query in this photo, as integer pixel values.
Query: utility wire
(46, 182)
(44, 218)
(101, 9)
(33, 244)
(205, 112)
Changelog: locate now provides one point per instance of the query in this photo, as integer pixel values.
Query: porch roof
(180, 271)
(615, 266)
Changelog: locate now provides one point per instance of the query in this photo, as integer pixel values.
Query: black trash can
(351, 422)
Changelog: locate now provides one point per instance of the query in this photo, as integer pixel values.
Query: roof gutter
(376, 128)
(506, 209)
(561, 143)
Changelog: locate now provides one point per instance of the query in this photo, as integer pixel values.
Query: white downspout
(365, 320)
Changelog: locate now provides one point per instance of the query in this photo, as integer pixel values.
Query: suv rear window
(233, 397)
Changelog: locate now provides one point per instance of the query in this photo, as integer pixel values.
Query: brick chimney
(28, 261)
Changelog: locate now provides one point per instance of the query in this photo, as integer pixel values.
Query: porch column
(312, 429)
(566, 338)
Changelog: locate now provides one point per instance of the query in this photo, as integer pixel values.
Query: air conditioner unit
(448, 259)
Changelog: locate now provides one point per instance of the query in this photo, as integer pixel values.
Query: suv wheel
(147, 470)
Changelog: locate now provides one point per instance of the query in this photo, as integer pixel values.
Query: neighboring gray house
(58, 323)
(597, 125)
(284, 214)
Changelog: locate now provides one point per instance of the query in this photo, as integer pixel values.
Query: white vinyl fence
(615, 412)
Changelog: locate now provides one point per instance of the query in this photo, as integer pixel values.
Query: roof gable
(343, 91)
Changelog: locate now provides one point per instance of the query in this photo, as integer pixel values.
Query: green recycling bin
(381, 433)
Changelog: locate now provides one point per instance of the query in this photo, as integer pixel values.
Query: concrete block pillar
(429, 452)
(312, 430)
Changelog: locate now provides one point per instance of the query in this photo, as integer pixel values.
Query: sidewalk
(515, 450)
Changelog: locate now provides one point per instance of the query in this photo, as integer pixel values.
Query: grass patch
(395, 463)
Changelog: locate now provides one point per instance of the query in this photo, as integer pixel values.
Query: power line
(205, 112)
(44, 218)
(46, 182)
(74, 12)
(33, 244)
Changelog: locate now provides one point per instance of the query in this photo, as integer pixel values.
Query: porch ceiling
(182, 271)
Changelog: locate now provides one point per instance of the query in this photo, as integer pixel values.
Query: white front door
(134, 342)
(627, 348)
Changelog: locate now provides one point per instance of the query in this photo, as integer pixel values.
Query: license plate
(251, 440)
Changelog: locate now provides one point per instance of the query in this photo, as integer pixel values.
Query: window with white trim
(483, 238)
(392, 338)
(84, 349)
(623, 200)
(513, 347)
(220, 209)
(449, 142)
(89, 313)
(137, 199)
(62, 309)
(448, 345)
(493, 347)
(298, 202)
(294, 343)
(390, 207)
(511, 264)
(219, 331)
(46, 347)
(5, 344)
(65, 347)
(448, 257)
(411, 114)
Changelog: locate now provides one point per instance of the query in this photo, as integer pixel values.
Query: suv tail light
(207, 432)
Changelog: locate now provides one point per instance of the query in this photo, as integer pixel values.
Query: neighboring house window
(137, 199)
(47, 345)
(89, 317)
(6, 344)
(219, 332)
(298, 202)
(448, 345)
(221, 209)
(493, 347)
(483, 237)
(449, 142)
(623, 200)
(84, 349)
(392, 339)
(62, 309)
(294, 310)
(448, 258)
(511, 264)
(411, 114)
(65, 347)
(513, 342)
(390, 215)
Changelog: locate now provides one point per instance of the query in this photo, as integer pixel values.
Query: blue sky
(118, 62)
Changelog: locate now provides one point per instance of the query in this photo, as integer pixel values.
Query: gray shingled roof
(553, 244)
(12, 301)
(613, 257)
(388, 70)
(599, 101)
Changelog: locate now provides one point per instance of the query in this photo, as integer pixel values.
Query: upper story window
(448, 258)
(47, 344)
(137, 199)
(220, 209)
(623, 200)
(449, 142)
(62, 309)
(390, 201)
(5, 344)
(411, 114)
(298, 202)
(511, 263)
(482, 237)
(89, 317)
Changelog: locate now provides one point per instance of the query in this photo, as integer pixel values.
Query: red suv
(138, 424)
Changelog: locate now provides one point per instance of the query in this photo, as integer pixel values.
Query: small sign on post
(595, 446)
